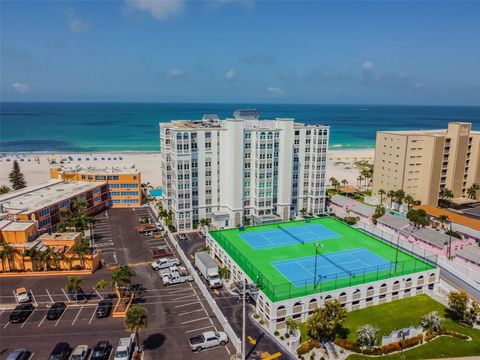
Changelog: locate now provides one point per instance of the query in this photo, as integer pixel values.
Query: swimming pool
(156, 192)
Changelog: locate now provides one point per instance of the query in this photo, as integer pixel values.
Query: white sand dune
(35, 167)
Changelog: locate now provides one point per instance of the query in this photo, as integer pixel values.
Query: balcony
(281, 313)
(356, 296)
(396, 287)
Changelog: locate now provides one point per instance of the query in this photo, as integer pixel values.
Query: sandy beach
(35, 166)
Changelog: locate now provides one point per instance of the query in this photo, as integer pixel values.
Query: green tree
(73, 285)
(6, 255)
(391, 196)
(246, 221)
(409, 200)
(292, 325)
(367, 336)
(333, 182)
(303, 212)
(445, 196)
(443, 219)
(224, 273)
(136, 320)
(4, 189)
(458, 304)
(327, 320)
(472, 315)
(432, 321)
(399, 196)
(382, 193)
(81, 250)
(344, 182)
(32, 254)
(17, 180)
(472, 191)
(379, 212)
(418, 217)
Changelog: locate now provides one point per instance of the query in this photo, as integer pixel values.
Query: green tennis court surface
(285, 269)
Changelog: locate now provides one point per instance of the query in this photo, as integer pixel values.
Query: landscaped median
(452, 339)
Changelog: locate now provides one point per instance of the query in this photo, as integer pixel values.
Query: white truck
(124, 348)
(164, 263)
(177, 277)
(208, 268)
(207, 340)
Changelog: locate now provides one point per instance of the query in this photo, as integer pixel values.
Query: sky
(420, 53)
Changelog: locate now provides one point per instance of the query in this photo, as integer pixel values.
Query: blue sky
(241, 51)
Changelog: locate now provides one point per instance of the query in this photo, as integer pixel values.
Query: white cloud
(367, 65)
(159, 9)
(230, 75)
(20, 88)
(275, 90)
(75, 23)
(175, 73)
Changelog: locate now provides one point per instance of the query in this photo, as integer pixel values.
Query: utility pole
(396, 253)
(244, 318)
(450, 242)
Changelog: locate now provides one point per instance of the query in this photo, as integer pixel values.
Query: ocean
(95, 127)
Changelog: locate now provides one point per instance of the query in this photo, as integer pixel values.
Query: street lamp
(317, 245)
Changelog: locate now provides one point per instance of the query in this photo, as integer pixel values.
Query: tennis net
(290, 234)
(335, 264)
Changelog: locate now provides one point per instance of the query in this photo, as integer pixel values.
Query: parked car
(103, 309)
(80, 353)
(179, 277)
(159, 226)
(207, 340)
(19, 354)
(164, 263)
(101, 351)
(23, 296)
(61, 351)
(182, 236)
(56, 310)
(21, 313)
(124, 348)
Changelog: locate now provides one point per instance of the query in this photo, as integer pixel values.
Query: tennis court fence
(287, 290)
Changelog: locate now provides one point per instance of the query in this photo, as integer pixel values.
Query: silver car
(80, 353)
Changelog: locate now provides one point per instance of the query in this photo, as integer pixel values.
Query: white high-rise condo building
(228, 171)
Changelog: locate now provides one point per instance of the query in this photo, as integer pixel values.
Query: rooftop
(33, 198)
(59, 236)
(341, 200)
(395, 222)
(435, 238)
(363, 209)
(473, 212)
(452, 216)
(470, 252)
(98, 170)
(18, 226)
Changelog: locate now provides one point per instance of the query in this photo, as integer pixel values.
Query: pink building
(469, 256)
(343, 206)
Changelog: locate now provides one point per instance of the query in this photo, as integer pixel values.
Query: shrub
(276, 333)
(307, 346)
(256, 316)
(455, 334)
(261, 322)
(430, 335)
(389, 348)
(282, 337)
(312, 356)
(407, 343)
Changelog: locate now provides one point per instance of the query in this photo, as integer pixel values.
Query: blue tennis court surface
(331, 266)
(278, 237)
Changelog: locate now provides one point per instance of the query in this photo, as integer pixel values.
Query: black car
(77, 296)
(103, 309)
(61, 351)
(101, 351)
(19, 354)
(21, 313)
(56, 310)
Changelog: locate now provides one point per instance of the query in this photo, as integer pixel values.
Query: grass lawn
(403, 313)
(258, 263)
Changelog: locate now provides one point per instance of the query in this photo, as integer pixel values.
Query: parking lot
(175, 313)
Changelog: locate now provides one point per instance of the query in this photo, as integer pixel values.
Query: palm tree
(344, 182)
(292, 325)
(409, 200)
(326, 320)
(443, 220)
(399, 196)
(359, 180)
(224, 273)
(472, 191)
(367, 336)
(56, 258)
(136, 320)
(303, 212)
(81, 250)
(445, 196)
(333, 181)
(391, 196)
(366, 175)
(246, 221)
(32, 254)
(381, 192)
(432, 321)
(73, 284)
(6, 255)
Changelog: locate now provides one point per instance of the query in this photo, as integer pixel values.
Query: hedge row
(307, 346)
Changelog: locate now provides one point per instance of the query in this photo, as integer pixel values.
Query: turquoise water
(156, 192)
(93, 127)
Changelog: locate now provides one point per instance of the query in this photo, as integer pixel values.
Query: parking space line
(202, 328)
(99, 295)
(50, 296)
(34, 300)
(195, 302)
(8, 322)
(15, 296)
(76, 317)
(91, 318)
(2, 312)
(64, 293)
(195, 320)
(31, 355)
(66, 309)
(178, 291)
(190, 312)
(29, 317)
(41, 322)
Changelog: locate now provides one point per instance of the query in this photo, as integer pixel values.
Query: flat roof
(363, 209)
(470, 252)
(475, 212)
(341, 200)
(97, 170)
(433, 237)
(18, 226)
(34, 198)
(59, 236)
(452, 216)
(395, 222)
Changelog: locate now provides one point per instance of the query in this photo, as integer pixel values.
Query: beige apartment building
(424, 162)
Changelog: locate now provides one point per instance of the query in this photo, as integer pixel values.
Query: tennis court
(331, 266)
(288, 235)
(280, 258)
